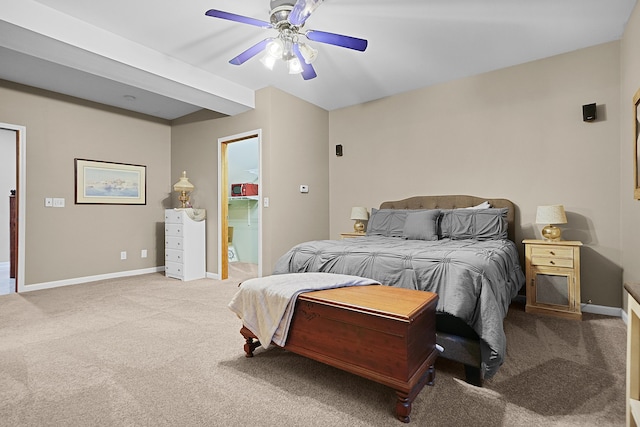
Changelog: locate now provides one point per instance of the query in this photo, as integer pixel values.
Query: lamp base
(551, 233)
(358, 227)
(184, 198)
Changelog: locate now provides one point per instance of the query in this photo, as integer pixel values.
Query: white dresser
(184, 244)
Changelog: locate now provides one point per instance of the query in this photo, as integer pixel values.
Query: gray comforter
(475, 280)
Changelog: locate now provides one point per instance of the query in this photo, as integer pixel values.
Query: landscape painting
(99, 182)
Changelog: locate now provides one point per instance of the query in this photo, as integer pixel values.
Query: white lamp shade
(308, 53)
(183, 184)
(553, 214)
(359, 213)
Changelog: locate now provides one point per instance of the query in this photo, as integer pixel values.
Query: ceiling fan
(288, 18)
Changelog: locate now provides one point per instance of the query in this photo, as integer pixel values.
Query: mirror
(636, 145)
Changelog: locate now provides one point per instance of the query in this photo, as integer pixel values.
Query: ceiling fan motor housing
(280, 10)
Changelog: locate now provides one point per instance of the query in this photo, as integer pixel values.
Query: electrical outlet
(265, 202)
(58, 202)
(123, 255)
(304, 188)
(143, 253)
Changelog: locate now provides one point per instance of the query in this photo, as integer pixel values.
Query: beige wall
(515, 133)
(86, 240)
(294, 141)
(629, 208)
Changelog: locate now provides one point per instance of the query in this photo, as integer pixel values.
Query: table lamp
(359, 214)
(184, 187)
(550, 215)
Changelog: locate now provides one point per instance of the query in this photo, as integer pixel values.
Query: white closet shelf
(243, 198)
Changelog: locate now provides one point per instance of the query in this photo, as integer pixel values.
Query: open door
(246, 245)
(13, 139)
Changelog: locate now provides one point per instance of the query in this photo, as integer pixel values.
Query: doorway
(240, 211)
(12, 207)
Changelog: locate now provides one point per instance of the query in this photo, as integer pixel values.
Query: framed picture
(636, 145)
(110, 183)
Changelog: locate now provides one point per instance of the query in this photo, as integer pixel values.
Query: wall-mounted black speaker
(339, 150)
(589, 112)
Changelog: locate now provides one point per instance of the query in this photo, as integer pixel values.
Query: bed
(437, 244)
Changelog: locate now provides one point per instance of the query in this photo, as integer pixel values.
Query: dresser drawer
(543, 251)
(175, 230)
(173, 216)
(173, 255)
(552, 261)
(173, 243)
(173, 269)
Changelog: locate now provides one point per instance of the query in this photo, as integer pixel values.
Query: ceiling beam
(30, 28)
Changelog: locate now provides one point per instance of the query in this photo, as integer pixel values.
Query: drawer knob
(552, 253)
(552, 262)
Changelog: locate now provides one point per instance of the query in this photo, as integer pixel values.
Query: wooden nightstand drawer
(554, 251)
(552, 262)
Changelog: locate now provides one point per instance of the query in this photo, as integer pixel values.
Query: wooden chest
(378, 332)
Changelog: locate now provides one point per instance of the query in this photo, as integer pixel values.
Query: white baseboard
(86, 279)
(214, 276)
(602, 309)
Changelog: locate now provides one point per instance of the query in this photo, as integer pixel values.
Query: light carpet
(153, 351)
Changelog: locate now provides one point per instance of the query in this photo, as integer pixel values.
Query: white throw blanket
(266, 304)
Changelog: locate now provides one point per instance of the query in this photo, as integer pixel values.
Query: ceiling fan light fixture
(308, 53)
(275, 48)
(268, 60)
(294, 66)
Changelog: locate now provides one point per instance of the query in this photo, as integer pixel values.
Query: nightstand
(351, 235)
(553, 277)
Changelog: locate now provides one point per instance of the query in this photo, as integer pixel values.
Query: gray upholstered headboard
(452, 202)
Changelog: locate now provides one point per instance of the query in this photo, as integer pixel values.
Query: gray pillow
(386, 222)
(422, 225)
(478, 224)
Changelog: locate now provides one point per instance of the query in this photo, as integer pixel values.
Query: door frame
(21, 195)
(223, 199)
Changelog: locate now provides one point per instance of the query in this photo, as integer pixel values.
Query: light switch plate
(48, 202)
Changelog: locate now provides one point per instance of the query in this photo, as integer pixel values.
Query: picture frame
(100, 182)
(636, 145)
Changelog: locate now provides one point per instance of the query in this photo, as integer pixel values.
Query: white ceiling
(174, 60)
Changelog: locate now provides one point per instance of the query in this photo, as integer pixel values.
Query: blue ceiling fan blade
(308, 72)
(251, 52)
(337, 40)
(237, 18)
(302, 10)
